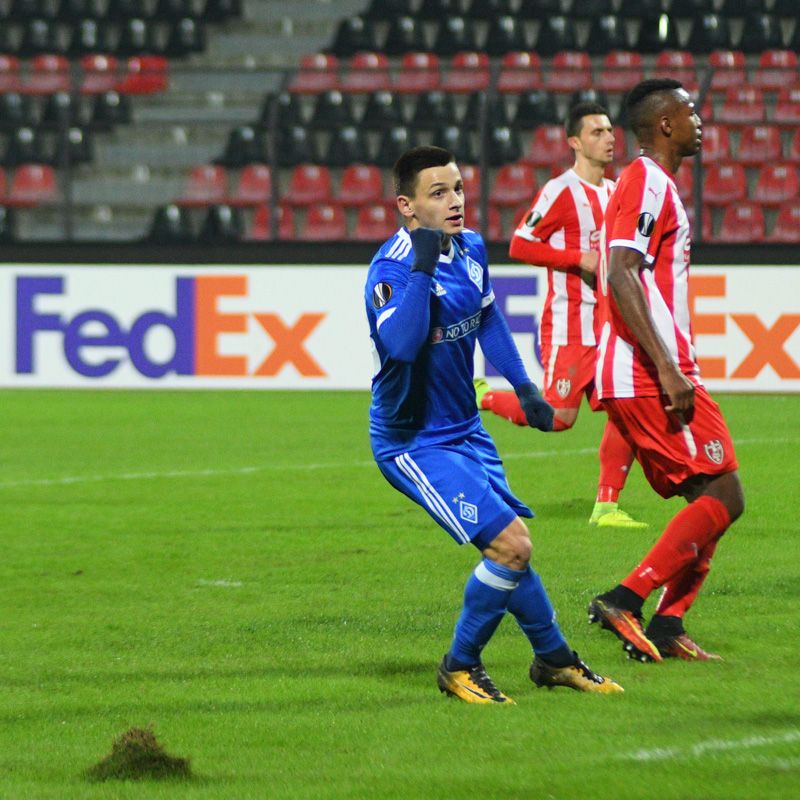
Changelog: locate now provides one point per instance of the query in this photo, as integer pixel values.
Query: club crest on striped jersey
(475, 271)
(714, 451)
(381, 294)
(563, 386)
(645, 223)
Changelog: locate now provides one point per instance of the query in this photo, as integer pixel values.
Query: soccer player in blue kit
(429, 298)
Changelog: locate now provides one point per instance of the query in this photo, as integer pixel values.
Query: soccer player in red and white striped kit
(562, 233)
(649, 382)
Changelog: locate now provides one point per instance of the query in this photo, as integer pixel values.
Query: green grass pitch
(232, 569)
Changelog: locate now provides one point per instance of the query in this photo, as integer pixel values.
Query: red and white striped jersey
(564, 220)
(646, 214)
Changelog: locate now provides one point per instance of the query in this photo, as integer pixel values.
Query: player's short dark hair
(639, 105)
(574, 120)
(412, 162)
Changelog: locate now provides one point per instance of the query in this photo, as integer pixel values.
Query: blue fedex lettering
(518, 323)
(76, 339)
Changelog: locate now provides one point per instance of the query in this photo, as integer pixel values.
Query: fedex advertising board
(304, 327)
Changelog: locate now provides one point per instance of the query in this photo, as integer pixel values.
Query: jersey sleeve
(385, 287)
(640, 199)
(531, 240)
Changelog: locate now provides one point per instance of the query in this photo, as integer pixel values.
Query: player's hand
(538, 411)
(589, 261)
(679, 389)
(427, 244)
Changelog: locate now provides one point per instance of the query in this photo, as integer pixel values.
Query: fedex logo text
(95, 342)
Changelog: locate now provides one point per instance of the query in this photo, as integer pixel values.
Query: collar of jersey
(447, 257)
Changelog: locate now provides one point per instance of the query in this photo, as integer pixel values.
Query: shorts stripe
(551, 365)
(434, 501)
(690, 442)
(484, 575)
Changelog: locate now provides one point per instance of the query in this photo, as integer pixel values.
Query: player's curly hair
(641, 103)
(412, 162)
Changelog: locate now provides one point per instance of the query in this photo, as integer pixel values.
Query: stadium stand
(129, 101)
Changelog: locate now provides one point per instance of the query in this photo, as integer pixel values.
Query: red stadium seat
(9, 74)
(514, 184)
(570, 71)
(419, 72)
(677, 64)
(254, 186)
(621, 71)
(325, 222)
(776, 183)
(318, 73)
(759, 144)
(31, 185)
(786, 111)
(729, 69)
(742, 223)
(368, 72)
(145, 74)
(621, 153)
(361, 183)
(493, 231)
(724, 184)
(471, 176)
(206, 185)
(99, 74)
(375, 223)
(716, 144)
(548, 146)
(742, 106)
(776, 69)
(787, 224)
(49, 74)
(708, 229)
(309, 184)
(794, 147)
(520, 72)
(469, 72)
(261, 227)
(684, 180)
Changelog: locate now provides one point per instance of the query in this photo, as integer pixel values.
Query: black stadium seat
(347, 146)
(439, 9)
(405, 35)
(382, 110)
(296, 146)
(540, 9)
(246, 145)
(534, 109)
(556, 34)
(172, 224)
(606, 33)
(222, 224)
(394, 142)
(657, 34)
(433, 110)
(353, 35)
(691, 8)
(506, 34)
(592, 9)
(332, 110)
(489, 9)
(456, 35)
(389, 9)
(710, 32)
(761, 32)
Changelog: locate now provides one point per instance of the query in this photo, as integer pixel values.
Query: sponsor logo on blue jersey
(456, 331)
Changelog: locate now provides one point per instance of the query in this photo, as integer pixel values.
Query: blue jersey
(430, 400)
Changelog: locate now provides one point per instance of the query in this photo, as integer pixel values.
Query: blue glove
(538, 411)
(427, 244)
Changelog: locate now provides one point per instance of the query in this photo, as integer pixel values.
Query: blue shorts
(462, 486)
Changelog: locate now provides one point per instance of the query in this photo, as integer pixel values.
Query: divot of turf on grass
(138, 755)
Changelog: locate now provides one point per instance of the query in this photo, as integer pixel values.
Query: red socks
(504, 404)
(682, 545)
(616, 458)
(680, 592)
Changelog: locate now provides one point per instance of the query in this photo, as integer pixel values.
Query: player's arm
(499, 347)
(530, 242)
(624, 266)
(403, 325)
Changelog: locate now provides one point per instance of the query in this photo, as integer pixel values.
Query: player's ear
(405, 206)
(666, 126)
(574, 142)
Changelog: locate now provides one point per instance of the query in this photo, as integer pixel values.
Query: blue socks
(490, 591)
(535, 615)
(486, 597)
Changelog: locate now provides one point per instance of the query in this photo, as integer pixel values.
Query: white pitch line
(712, 746)
(336, 466)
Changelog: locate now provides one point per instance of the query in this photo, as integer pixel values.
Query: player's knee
(564, 418)
(512, 546)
